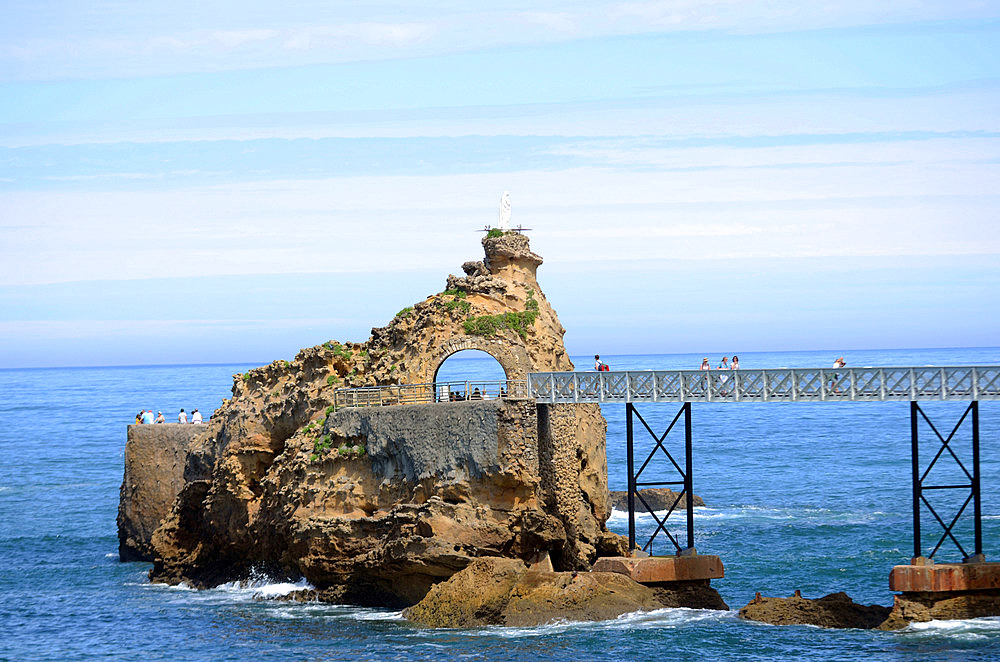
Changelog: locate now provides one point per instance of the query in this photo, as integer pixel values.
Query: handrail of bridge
(770, 385)
(408, 394)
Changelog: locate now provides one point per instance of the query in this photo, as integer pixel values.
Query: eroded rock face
(499, 591)
(375, 506)
(435, 487)
(154, 476)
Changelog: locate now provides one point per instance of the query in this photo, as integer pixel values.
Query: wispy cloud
(100, 40)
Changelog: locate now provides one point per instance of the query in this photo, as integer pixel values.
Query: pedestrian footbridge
(960, 383)
(915, 384)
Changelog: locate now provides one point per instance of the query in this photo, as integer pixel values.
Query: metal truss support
(634, 483)
(920, 486)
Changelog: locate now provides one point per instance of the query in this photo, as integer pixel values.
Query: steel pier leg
(915, 458)
(688, 481)
(631, 476)
(977, 504)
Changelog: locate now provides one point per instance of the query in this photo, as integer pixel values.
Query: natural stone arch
(512, 358)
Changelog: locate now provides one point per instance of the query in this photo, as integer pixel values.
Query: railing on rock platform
(410, 394)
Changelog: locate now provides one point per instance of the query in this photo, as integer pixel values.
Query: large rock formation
(375, 506)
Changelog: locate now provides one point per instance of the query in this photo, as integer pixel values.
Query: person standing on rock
(159, 417)
(147, 417)
(182, 417)
(138, 418)
(196, 417)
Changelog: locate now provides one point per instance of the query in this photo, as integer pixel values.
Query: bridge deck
(960, 383)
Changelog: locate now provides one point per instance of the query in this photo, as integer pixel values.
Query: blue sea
(811, 496)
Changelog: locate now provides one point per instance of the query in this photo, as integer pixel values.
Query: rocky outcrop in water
(836, 610)
(375, 506)
(499, 591)
(658, 498)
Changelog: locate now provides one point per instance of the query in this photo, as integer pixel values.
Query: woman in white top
(182, 417)
(196, 417)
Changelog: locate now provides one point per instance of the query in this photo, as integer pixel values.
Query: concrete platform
(657, 569)
(944, 577)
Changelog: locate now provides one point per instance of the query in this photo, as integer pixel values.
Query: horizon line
(583, 356)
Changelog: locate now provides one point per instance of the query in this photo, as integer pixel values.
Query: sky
(190, 182)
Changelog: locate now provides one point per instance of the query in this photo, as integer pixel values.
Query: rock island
(505, 499)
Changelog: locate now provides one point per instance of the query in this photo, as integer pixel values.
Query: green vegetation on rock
(320, 447)
(489, 325)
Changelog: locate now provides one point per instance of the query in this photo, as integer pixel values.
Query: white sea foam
(706, 514)
(376, 615)
(671, 617)
(972, 629)
(258, 587)
(262, 588)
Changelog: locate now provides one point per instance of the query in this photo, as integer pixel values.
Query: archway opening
(470, 374)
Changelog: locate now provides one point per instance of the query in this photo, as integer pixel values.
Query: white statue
(504, 222)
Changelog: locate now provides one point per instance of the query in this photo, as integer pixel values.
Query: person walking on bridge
(835, 382)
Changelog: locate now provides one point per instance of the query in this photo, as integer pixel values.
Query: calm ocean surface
(800, 496)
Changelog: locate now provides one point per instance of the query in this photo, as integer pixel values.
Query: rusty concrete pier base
(943, 591)
(657, 569)
(679, 581)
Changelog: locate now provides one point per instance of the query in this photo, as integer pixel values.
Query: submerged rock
(836, 610)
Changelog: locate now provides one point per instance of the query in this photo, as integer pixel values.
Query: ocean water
(800, 496)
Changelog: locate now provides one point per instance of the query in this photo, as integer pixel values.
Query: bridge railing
(770, 385)
(407, 394)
